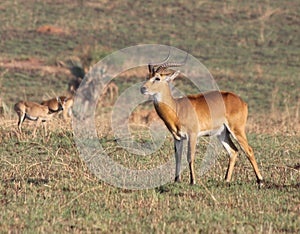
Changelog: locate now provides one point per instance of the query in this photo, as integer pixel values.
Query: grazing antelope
(190, 117)
(144, 117)
(110, 89)
(74, 85)
(67, 103)
(35, 112)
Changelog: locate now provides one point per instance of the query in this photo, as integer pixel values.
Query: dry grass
(45, 178)
(277, 123)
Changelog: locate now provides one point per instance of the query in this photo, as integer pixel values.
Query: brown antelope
(35, 112)
(67, 103)
(74, 85)
(190, 117)
(110, 90)
(144, 117)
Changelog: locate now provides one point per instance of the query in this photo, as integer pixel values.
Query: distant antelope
(110, 90)
(67, 103)
(35, 112)
(74, 85)
(190, 117)
(145, 117)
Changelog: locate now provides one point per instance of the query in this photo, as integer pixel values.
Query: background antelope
(35, 112)
(109, 93)
(191, 116)
(54, 104)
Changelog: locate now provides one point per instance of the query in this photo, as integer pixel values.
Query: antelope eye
(157, 79)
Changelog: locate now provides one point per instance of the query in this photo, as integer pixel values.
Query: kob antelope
(190, 117)
(66, 102)
(35, 112)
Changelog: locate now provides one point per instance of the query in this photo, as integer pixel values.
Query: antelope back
(56, 104)
(31, 108)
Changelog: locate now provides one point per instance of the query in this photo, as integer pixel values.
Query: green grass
(251, 48)
(45, 186)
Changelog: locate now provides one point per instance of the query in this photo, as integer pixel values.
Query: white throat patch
(157, 97)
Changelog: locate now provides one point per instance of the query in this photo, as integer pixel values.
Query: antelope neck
(167, 111)
(165, 98)
(165, 105)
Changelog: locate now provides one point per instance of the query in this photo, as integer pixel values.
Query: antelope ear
(172, 76)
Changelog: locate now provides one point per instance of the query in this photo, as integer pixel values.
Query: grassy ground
(252, 49)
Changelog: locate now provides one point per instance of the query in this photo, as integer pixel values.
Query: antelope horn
(152, 65)
(167, 65)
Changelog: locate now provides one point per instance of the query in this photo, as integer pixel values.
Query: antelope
(110, 89)
(74, 85)
(189, 117)
(144, 117)
(67, 103)
(35, 112)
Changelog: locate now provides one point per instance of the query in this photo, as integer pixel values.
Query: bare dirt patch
(50, 29)
(31, 64)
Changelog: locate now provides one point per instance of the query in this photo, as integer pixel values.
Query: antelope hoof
(260, 184)
(192, 182)
(177, 179)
